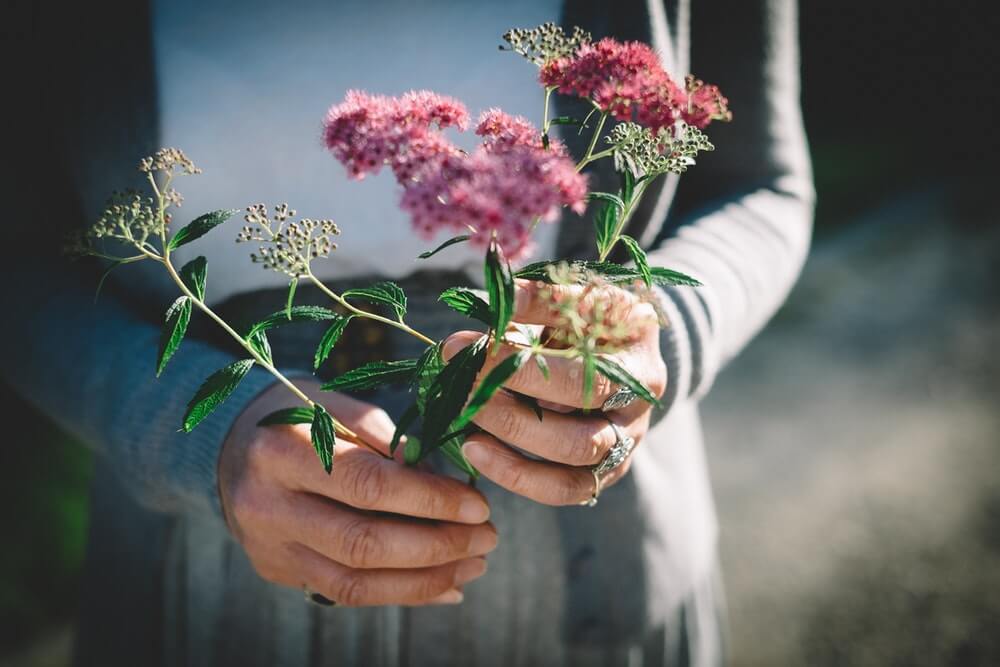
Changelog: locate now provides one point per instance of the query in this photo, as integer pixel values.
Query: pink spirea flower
(499, 189)
(366, 132)
(703, 103)
(627, 80)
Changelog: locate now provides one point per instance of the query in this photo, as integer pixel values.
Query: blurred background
(854, 445)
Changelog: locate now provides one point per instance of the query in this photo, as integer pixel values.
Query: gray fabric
(554, 594)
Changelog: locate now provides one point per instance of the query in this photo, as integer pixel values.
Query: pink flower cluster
(366, 132)
(499, 189)
(627, 80)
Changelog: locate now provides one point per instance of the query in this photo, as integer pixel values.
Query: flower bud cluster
(587, 319)
(287, 245)
(669, 150)
(168, 160)
(544, 43)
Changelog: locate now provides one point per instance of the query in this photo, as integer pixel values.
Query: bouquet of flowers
(494, 197)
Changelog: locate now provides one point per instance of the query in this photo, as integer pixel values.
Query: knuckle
(435, 501)
(351, 589)
(433, 583)
(512, 427)
(516, 478)
(362, 543)
(658, 383)
(603, 387)
(365, 482)
(572, 490)
(248, 506)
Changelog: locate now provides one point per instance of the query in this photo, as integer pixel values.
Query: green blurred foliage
(43, 511)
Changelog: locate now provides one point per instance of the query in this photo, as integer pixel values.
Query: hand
(568, 444)
(349, 536)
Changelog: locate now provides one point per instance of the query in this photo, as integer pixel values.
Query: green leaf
(628, 185)
(610, 271)
(288, 416)
(295, 314)
(174, 328)
(373, 374)
(384, 293)
(322, 435)
(450, 242)
(330, 339)
(428, 366)
(450, 390)
(215, 390)
(291, 297)
(405, 422)
(500, 287)
(605, 223)
(489, 386)
(607, 197)
(543, 365)
(565, 120)
(259, 342)
(639, 257)
(468, 303)
(193, 274)
(670, 278)
(619, 375)
(200, 226)
(452, 451)
(412, 451)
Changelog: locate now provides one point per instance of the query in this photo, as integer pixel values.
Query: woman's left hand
(564, 445)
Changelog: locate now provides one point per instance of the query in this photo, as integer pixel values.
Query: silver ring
(316, 598)
(622, 398)
(616, 456)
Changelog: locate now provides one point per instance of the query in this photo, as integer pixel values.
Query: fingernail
(469, 569)
(454, 596)
(483, 541)
(474, 451)
(473, 510)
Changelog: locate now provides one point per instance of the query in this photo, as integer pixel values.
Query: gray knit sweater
(622, 584)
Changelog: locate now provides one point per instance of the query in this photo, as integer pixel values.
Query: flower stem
(369, 315)
(630, 207)
(588, 156)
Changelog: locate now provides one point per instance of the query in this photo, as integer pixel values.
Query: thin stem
(545, 110)
(630, 207)
(366, 314)
(593, 142)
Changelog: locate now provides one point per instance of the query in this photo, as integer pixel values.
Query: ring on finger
(316, 598)
(619, 400)
(616, 456)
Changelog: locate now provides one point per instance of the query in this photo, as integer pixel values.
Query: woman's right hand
(374, 532)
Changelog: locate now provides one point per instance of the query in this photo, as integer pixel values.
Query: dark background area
(853, 445)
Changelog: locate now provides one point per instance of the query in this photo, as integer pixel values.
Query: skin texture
(375, 532)
(549, 460)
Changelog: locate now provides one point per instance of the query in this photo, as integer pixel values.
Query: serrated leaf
(384, 293)
(450, 390)
(322, 435)
(174, 327)
(373, 374)
(291, 297)
(293, 315)
(500, 287)
(639, 257)
(543, 365)
(671, 278)
(405, 422)
(452, 451)
(619, 375)
(605, 223)
(200, 226)
(288, 416)
(450, 242)
(214, 391)
(329, 339)
(428, 366)
(261, 345)
(193, 274)
(468, 303)
(628, 185)
(490, 385)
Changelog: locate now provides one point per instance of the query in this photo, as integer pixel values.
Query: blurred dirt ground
(855, 447)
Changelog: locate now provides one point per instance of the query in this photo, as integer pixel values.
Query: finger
(564, 385)
(534, 303)
(571, 439)
(541, 481)
(367, 481)
(371, 423)
(361, 588)
(367, 540)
